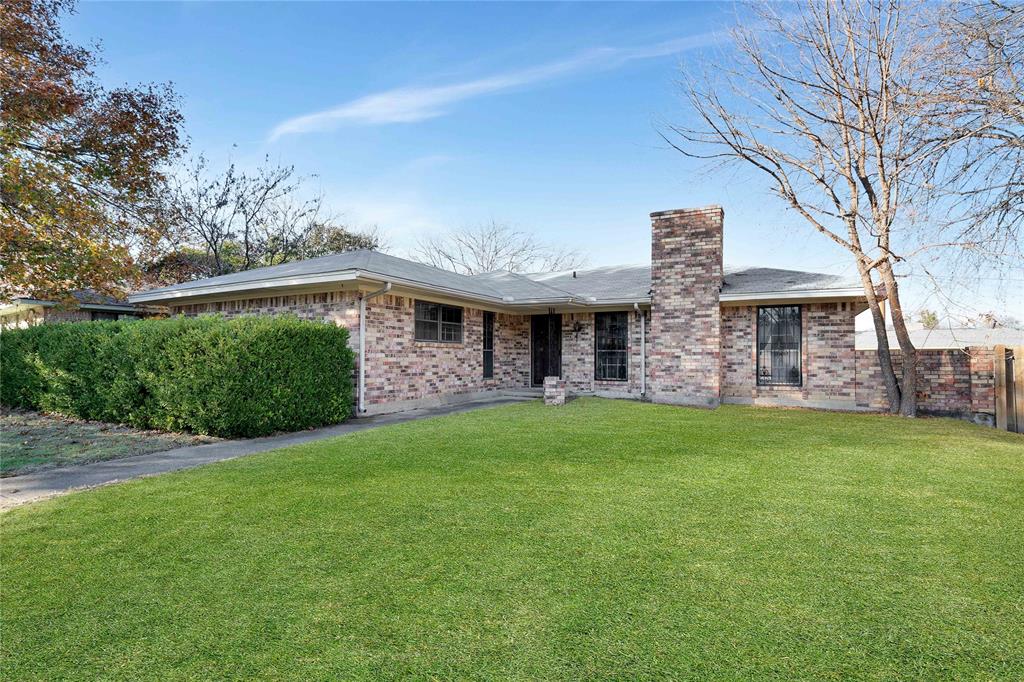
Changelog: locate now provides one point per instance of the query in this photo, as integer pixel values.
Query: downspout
(361, 390)
(643, 349)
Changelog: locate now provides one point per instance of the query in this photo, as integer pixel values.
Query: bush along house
(683, 330)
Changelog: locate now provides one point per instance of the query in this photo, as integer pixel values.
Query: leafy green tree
(81, 167)
(928, 319)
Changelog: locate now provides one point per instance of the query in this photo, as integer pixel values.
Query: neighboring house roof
(84, 300)
(587, 287)
(946, 338)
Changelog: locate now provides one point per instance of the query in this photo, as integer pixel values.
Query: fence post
(999, 372)
(1018, 386)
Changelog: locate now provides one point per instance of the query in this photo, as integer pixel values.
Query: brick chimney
(686, 279)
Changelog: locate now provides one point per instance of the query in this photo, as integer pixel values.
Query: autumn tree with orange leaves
(81, 167)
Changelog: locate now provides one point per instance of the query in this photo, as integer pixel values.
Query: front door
(546, 335)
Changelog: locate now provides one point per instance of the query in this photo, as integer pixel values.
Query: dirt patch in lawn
(30, 441)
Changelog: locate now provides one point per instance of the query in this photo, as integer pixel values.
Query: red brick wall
(399, 368)
(66, 315)
(686, 278)
(578, 357)
(983, 380)
(828, 358)
(340, 307)
(738, 352)
(949, 382)
(836, 376)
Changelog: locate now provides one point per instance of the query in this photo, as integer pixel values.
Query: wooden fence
(1009, 387)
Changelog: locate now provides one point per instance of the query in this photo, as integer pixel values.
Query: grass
(600, 540)
(30, 441)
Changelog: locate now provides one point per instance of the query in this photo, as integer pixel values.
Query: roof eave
(416, 284)
(336, 277)
(806, 294)
(642, 300)
(112, 307)
(171, 296)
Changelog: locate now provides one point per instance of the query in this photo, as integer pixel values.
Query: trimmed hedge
(243, 377)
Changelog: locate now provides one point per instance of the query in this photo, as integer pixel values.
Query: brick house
(84, 306)
(683, 330)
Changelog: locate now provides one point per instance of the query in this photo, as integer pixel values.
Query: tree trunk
(908, 393)
(892, 387)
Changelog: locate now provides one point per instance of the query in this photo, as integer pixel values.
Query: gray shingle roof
(760, 280)
(616, 282)
(521, 287)
(623, 283)
(633, 282)
(362, 260)
(84, 298)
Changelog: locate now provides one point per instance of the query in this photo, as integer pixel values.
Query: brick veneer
(578, 357)
(554, 391)
(738, 353)
(339, 307)
(400, 369)
(66, 315)
(828, 358)
(957, 382)
(836, 376)
(981, 364)
(686, 279)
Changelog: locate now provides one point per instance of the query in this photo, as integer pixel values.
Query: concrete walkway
(18, 490)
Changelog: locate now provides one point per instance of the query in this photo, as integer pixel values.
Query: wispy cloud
(411, 104)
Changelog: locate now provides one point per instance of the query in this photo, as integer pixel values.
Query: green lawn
(603, 539)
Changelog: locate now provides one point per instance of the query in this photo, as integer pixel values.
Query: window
(611, 342)
(488, 345)
(778, 345)
(436, 322)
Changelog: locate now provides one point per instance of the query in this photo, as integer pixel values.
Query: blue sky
(421, 117)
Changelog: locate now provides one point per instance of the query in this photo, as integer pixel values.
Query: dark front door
(546, 333)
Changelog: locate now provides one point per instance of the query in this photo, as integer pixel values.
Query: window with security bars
(611, 346)
(436, 322)
(778, 345)
(488, 345)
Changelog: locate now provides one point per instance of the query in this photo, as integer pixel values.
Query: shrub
(249, 376)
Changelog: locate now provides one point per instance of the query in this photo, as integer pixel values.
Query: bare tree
(822, 102)
(216, 211)
(242, 220)
(494, 246)
(977, 97)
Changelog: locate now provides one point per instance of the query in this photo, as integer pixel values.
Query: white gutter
(361, 407)
(643, 349)
(169, 296)
(251, 285)
(857, 292)
(114, 307)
